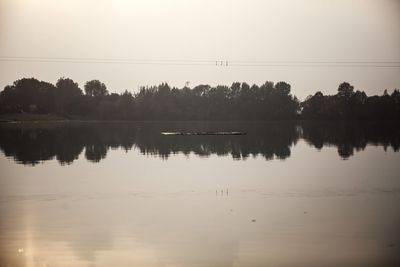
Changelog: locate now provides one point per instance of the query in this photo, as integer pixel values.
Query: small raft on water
(203, 133)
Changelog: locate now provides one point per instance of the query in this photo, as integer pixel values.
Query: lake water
(121, 194)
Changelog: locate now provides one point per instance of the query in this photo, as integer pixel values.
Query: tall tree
(95, 88)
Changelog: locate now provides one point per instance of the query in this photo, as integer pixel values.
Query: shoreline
(36, 118)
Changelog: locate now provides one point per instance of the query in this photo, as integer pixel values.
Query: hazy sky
(242, 30)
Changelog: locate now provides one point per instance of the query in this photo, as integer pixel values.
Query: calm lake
(122, 194)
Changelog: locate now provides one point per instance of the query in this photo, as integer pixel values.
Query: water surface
(286, 194)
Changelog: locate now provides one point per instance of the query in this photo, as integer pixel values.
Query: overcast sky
(242, 30)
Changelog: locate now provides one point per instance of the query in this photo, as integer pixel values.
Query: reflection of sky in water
(312, 209)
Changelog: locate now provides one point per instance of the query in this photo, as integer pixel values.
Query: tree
(283, 88)
(67, 97)
(345, 90)
(95, 88)
(240, 101)
(68, 87)
(27, 95)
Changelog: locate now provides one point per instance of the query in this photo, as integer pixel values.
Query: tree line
(240, 101)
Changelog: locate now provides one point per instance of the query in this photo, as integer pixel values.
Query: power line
(317, 62)
(112, 60)
(319, 65)
(104, 62)
(195, 62)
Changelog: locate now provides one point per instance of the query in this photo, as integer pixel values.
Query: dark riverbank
(26, 117)
(29, 117)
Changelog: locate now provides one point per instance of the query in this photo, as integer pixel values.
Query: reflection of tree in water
(269, 140)
(352, 136)
(95, 152)
(34, 143)
(31, 144)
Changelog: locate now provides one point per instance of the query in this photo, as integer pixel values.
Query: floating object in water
(203, 133)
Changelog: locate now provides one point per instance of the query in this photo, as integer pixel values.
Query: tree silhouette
(240, 101)
(345, 90)
(350, 105)
(95, 88)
